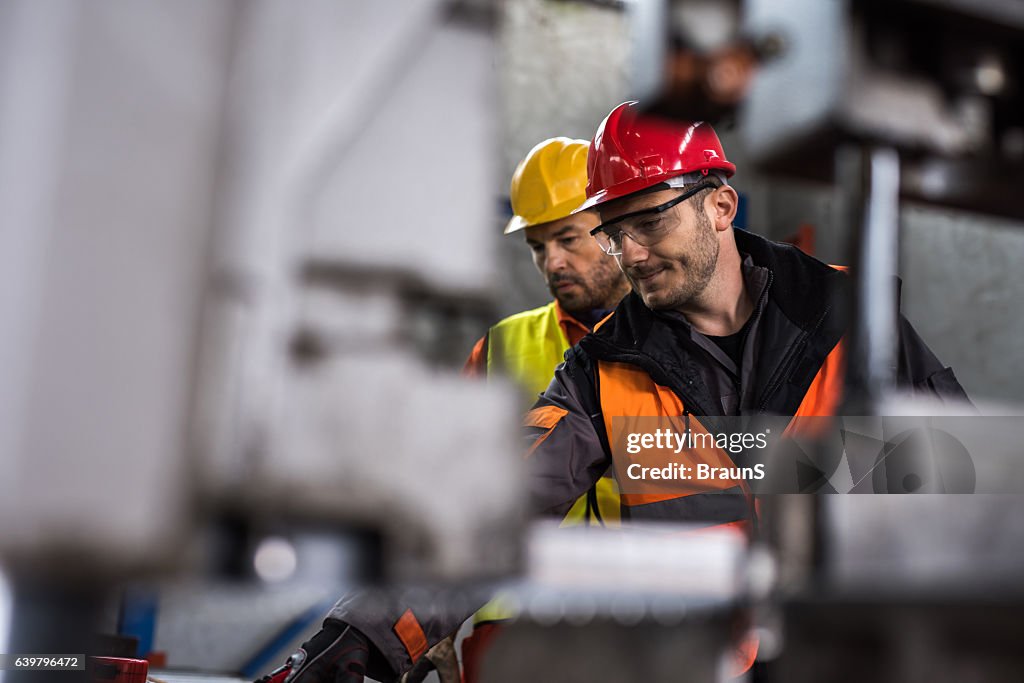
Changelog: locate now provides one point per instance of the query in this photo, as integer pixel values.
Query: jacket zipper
(786, 367)
(675, 387)
(758, 311)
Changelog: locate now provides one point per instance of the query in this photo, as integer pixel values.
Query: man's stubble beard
(700, 267)
(603, 290)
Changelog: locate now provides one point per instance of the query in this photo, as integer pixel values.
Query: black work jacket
(802, 317)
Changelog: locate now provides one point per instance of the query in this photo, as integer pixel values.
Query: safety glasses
(646, 227)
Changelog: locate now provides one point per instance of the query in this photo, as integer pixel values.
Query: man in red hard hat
(721, 322)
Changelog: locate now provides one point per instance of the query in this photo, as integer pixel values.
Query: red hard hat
(632, 152)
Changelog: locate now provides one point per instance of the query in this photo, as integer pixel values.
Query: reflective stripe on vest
(628, 392)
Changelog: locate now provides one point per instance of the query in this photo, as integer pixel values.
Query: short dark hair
(713, 181)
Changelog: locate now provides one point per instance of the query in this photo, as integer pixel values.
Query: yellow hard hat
(549, 183)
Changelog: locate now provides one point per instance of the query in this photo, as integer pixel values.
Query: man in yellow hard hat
(548, 185)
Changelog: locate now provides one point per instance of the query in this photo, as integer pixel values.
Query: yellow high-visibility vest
(527, 347)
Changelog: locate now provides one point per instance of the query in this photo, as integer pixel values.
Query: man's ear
(724, 204)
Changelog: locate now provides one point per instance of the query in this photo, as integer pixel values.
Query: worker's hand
(337, 654)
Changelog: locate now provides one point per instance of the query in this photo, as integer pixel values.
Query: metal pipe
(868, 180)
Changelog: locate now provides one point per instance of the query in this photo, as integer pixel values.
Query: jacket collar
(802, 287)
(573, 329)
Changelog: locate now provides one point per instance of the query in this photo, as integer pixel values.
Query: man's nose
(554, 258)
(632, 253)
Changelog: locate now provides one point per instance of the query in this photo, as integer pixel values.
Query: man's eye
(568, 241)
(649, 225)
(536, 247)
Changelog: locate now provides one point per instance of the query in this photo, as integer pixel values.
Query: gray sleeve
(921, 371)
(566, 457)
(393, 620)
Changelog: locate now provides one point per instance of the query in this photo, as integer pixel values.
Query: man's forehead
(584, 221)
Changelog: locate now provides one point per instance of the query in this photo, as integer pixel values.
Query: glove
(337, 654)
(440, 658)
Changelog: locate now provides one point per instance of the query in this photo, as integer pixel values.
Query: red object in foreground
(475, 646)
(277, 675)
(117, 670)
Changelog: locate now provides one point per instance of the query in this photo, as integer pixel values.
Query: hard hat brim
(553, 214)
(515, 224)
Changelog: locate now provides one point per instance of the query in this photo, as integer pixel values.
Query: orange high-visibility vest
(628, 391)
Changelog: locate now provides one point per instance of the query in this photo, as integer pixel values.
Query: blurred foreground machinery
(652, 602)
(224, 296)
